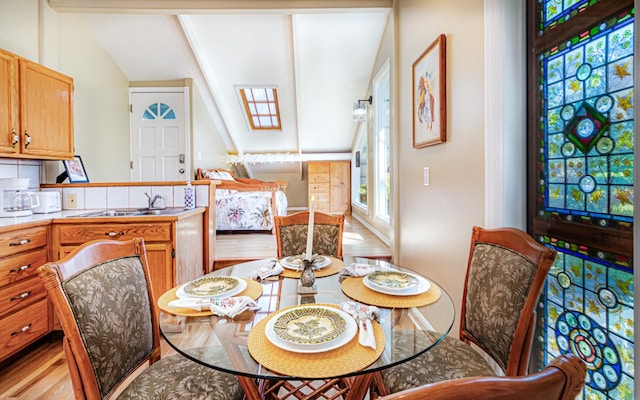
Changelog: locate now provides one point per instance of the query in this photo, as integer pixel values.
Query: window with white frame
(381, 98)
(360, 169)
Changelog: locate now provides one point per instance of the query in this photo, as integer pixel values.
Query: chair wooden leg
(250, 388)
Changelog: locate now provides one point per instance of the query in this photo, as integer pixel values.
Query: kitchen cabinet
(24, 307)
(330, 186)
(36, 106)
(174, 248)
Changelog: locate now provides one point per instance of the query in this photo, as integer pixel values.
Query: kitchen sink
(130, 212)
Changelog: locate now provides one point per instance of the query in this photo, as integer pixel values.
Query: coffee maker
(15, 201)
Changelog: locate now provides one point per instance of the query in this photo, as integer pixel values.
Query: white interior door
(159, 139)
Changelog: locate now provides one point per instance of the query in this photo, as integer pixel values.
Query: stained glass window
(555, 12)
(158, 110)
(588, 311)
(585, 178)
(587, 119)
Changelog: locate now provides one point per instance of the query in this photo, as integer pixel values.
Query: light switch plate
(426, 176)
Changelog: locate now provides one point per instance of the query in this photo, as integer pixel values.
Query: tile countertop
(66, 216)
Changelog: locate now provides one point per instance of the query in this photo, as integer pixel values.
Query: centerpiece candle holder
(307, 278)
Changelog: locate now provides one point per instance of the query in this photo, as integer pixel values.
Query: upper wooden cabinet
(37, 110)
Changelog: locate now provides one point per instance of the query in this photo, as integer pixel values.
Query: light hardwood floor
(41, 373)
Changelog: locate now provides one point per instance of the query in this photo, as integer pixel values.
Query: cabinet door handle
(22, 330)
(20, 296)
(20, 243)
(15, 137)
(112, 234)
(27, 142)
(20, 269)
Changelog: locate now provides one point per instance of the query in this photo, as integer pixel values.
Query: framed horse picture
(429, 95)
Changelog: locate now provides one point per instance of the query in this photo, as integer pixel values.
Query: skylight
(261, 107)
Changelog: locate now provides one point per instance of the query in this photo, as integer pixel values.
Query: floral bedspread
(248, 210)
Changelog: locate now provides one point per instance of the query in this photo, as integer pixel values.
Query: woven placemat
(346, 359)
(333, 268)
(253, 290)
(354, 288)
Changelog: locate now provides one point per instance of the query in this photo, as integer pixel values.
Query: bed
(245, 204)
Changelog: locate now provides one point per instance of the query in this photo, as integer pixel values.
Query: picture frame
(429, 95)
(75, 170)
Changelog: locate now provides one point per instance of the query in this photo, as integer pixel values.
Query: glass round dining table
(221, 343)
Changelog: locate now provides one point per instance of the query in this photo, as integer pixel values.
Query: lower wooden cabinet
(175, 250)
(24, 307)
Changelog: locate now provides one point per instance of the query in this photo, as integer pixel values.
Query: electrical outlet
(72, 200)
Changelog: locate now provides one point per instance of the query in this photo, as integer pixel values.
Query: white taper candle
(310, 231)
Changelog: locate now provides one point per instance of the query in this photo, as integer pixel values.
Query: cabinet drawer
(21, 328)
(319, 187)
(322, 207)
(13, 269)
(313, 178)
(322, 168)
(77, 234)
(22, 240)
(319, 197)
(20, 294)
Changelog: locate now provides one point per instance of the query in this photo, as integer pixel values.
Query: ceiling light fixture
(360, 110)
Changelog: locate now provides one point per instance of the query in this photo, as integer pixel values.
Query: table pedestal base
(352, 388)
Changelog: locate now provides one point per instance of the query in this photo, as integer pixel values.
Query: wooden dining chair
(562, 379)
(505, 274)
(102, 295)
(291, 234)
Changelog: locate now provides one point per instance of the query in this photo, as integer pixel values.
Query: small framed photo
(75, 170)
(429, 95)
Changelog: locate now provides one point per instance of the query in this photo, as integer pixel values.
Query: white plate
(287, 263)
(393, 281)
(241, 285)
(423, 286)
(345, 337)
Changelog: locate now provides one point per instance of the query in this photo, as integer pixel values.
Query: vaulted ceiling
(318, 54)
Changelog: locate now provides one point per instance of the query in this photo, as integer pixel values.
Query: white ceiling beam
(194, 6)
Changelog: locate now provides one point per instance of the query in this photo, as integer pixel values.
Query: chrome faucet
(152, 201)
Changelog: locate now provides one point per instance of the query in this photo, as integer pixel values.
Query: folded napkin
(358, 269)
(232, 306)
(363, 314)
(225, 307)
(271, 269)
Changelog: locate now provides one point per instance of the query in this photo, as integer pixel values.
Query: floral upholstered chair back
(504, 280)
(102, 296)
(111, 308)
(294, 239)
(291, 234)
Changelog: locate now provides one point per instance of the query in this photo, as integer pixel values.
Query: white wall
(433, 223)
(64, 42)
(101, 101)
(19, 27)
(208, 148)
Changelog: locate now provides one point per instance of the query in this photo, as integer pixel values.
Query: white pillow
(223, 176)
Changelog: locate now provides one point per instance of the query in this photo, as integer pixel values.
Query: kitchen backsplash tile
(32, 172)
(96, 197)
(202, 196)
(164, 191)
(14, 168)
(178, 196)
(137, 197)
(118, 197)
(70, 193)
